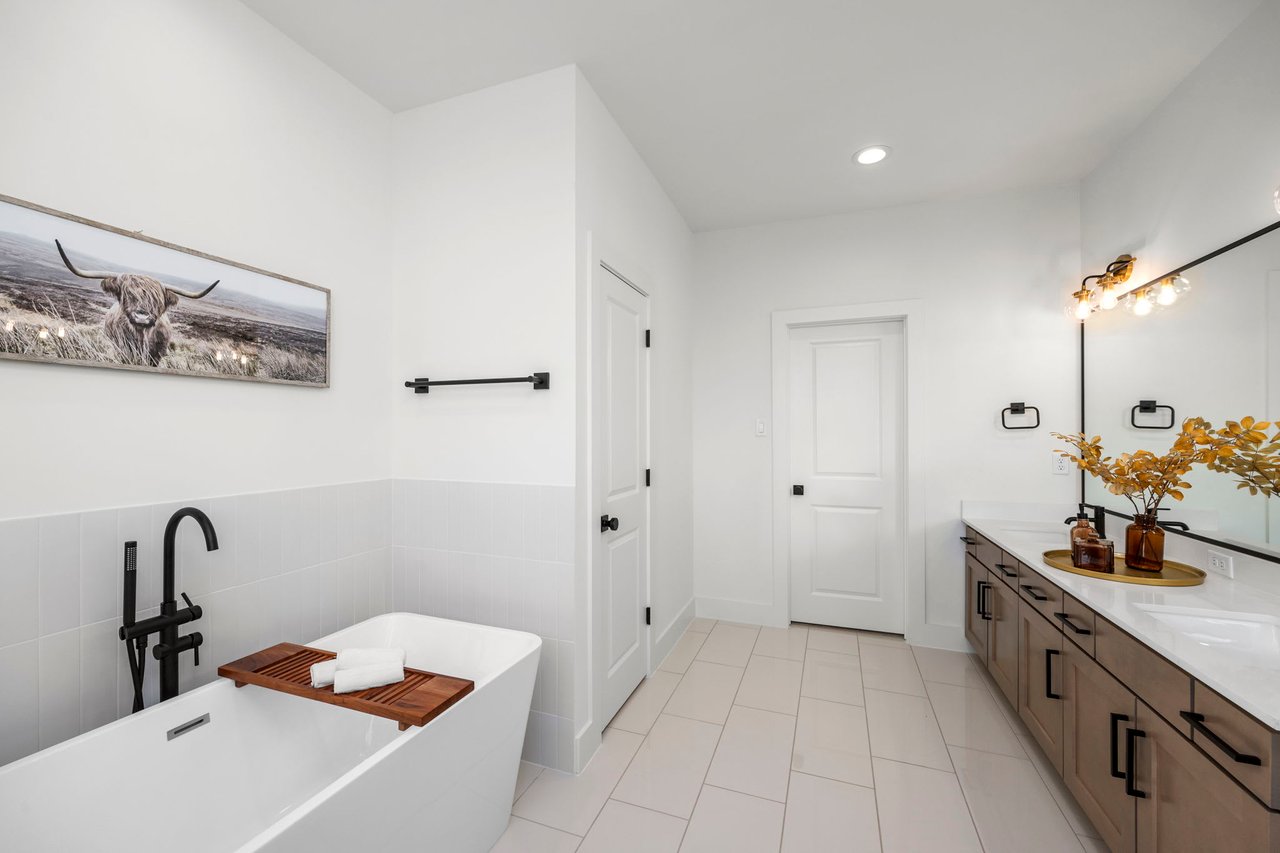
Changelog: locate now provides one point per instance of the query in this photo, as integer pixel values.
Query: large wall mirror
(1213, 353)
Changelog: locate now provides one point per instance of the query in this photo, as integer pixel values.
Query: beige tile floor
(804, 739)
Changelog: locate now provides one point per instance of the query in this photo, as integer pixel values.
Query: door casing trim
(911, 314)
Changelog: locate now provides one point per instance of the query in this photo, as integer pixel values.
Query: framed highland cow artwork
(77, 292)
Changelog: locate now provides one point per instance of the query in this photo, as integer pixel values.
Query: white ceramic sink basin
(1255, 632)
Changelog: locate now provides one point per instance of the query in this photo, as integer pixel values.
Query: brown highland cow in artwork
(136, 323)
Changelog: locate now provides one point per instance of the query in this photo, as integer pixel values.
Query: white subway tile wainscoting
(291, 566)
(502, 555)
(862, 742)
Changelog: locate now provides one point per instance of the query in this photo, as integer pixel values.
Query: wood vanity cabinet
(1040, 681)
(1184, 803)
(976, 595)
(1002, 638)
(1159, 762)
(1096, 711)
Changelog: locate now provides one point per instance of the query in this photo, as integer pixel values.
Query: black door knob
(797, 490)
(607, 523)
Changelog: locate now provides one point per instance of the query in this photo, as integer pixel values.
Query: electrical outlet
(1221, 563)
(1061, 464)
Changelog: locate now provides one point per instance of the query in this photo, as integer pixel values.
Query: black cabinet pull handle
(1034, 592)
(984, 609)
(1131, 762)
(1115, 744)
(1066, 620)
(968, 540)
(607, 523)
(1049, 655)
(1003, 570)
(1197, 723)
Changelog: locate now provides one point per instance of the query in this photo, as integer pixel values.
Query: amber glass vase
(1144, 544)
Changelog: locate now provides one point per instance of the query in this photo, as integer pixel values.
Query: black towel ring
(1150, 407)
(1019, 409)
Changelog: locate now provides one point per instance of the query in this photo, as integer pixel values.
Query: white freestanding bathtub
(274, 772)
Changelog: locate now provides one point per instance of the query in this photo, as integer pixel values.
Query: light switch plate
(761, 431)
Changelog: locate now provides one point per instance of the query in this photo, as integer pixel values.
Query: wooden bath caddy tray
(1174, 574)
(286, 667)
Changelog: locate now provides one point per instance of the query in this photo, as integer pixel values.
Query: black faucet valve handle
(187, 599)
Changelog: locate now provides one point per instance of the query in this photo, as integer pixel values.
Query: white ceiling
(748, 110)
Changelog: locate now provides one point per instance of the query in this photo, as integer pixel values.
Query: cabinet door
(1191, 806)
(1096, 711)
(976, 594)
(1040, 681)
(1002, 638)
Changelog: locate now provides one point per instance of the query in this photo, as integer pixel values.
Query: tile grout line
(643, 740)
(964, 796)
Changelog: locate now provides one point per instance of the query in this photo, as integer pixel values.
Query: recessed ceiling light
(871, 154)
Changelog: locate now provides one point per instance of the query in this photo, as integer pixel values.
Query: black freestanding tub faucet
(166, 624)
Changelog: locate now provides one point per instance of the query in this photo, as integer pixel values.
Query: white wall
(1200, 171)
(201, 125)
(498, 197)
(991, 272)
(483, 208)
(624, 217)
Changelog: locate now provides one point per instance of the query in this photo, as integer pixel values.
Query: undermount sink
(1250, 631)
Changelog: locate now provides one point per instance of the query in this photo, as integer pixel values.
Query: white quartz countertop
(1224, 633)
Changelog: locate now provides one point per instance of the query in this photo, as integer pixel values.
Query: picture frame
(82, 293)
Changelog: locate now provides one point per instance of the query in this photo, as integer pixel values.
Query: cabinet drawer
(1157, 682)
(1042, 595)
(987, 552)
(1008, 569)
(1076, 622)
(1221, 729)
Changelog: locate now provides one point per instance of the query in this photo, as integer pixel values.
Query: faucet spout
(170, 537)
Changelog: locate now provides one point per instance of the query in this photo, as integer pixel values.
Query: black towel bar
(541, 382)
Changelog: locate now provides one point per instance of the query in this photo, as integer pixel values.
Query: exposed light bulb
(1107, 297)
(1083, 308)
(1167, 295)
(1142, 303)
(244, 360)
(43, 334)
(218, 355)
(1181, 285)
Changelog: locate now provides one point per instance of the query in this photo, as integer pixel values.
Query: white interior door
(621, 450)
(846, 424)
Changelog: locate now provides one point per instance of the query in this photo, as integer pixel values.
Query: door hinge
(648, 479)
(647, 614)
(647, 339)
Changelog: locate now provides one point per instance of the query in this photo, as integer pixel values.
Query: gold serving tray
(1173, 574)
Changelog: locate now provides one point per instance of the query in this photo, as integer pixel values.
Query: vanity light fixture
(1117, 273)
(871, 155)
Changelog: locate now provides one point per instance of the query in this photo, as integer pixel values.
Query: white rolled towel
(322, 673)
(351, 658)
(364, 677)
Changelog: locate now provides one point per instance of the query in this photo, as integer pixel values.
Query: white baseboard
(667, 637)
(748, 612)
